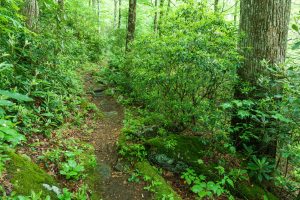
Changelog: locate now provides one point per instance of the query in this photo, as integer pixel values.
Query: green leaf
(199, 187)
(295, 27)
(296, 46)
(230, 182)
(243, 114)
(72, 163)
(5, 103)
(226, 106)
(16, 96)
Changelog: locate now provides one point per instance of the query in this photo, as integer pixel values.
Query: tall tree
(235, 14)
(99, 15)
(161, 14)
(115, 13)
(120, 14)
(31, 12)
(216, 5)
(155, 24)
(131, 23)
(264, 26)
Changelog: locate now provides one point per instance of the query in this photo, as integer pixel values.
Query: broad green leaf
(16, 96)
(296, 46)
(243, 114)
(5, 103)
(295, 27)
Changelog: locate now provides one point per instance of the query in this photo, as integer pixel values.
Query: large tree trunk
(31, 12)
(264, 29)
(265, 25)
(131, 23)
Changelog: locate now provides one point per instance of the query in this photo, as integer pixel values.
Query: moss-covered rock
(93, 181)
(164, 189)
(93, 177)
(26, 176)
(253, 192)
(188, 149)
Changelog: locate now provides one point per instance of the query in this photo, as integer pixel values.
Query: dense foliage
(40, 86)
(190, 118)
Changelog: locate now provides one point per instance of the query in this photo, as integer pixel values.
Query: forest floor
(113, 184)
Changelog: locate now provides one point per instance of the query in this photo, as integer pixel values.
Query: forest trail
(114, 184)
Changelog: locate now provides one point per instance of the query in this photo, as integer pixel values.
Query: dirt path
(113, 183)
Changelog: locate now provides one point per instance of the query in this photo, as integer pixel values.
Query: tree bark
(115, 13)
(235, 15)
(161, 14)
(31, 12)
(99, 15)
(120, 14)
(264, 28)
(131, 23)
(265, 25)
(216, 6)
(155, 24)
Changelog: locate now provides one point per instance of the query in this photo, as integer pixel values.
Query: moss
(92, 180)
(93, 176)
(26, 176)
(161, 190)
(189, 149)
(253, 192)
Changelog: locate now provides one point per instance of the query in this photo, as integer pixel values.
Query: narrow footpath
(114, 183)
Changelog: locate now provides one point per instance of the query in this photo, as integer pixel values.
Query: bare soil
(114, 184)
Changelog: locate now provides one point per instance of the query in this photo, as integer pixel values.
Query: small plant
(260, 169)
(208, 189)
(168, 197)
(66, 195)
(171, 144)
(134, 177)
(8, 133)
(81, 194)
(72, 170)
(152, 186)
(133, 151)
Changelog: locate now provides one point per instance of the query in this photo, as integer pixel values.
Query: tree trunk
(235, 15)
(99, 15)
(155, 16)
(265, 24)
(169, 6)
(131, 23)
(161, 14)
(31, 12)
(216, 5)
(264, 29)
(120, 14)
(115, 13)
